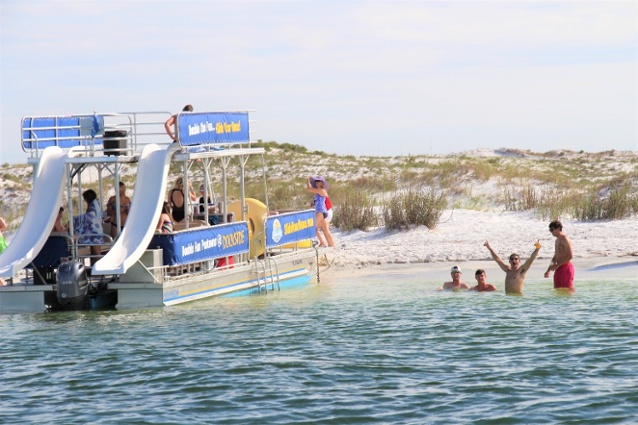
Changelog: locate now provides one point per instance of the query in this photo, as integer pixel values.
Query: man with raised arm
(561, 261)
(514, 272)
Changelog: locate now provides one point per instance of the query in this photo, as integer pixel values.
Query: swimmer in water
(455, 284)
(481, 280)
(514, 272)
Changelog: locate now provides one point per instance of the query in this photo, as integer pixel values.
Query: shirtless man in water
(456, 284)
(514, 272)
(481, 280)
(561, 261)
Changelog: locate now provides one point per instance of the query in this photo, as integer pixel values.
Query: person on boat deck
(165, 223)
(455, 284)
(514, 272)
(88, 226)
(481, 280)
(176, 199)
(3, 242)
(57, 226)
(111, 210)
(213, 218)
(173, 120)
(319, 187)
(202, 204)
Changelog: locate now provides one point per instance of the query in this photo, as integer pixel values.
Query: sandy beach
(459, 238)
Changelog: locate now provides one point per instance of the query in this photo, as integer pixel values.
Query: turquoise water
(378, 349)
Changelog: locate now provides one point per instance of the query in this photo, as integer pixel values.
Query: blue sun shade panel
(65, 132)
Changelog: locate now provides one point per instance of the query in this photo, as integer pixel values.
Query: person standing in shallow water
(481, 280)
(455, 284)
(514, 272)
(561, 261)
(319, 186)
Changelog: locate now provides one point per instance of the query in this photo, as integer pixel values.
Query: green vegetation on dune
(399, 192)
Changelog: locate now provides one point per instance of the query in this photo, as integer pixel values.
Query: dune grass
(399, 192)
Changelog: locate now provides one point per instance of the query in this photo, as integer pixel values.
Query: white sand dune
(460, 236)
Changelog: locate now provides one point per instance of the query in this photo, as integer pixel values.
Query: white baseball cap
(456, 269)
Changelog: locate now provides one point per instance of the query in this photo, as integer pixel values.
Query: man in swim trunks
(561, 261)
(456, 284)
(514, 272)
(482, 285)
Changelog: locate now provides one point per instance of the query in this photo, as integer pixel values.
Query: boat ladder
(270, 274)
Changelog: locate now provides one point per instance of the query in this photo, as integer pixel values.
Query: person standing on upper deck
(172, 121)
(319, 187)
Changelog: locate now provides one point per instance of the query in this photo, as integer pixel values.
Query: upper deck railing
(99, 133)
(126, 133)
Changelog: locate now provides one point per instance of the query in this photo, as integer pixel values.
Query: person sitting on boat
(111, 210)
(88, 226)
(177, 200)
(173, 120)
(202, 204)
(213, 217)
(165, 223)
(319, 187)
(57, 226)
(3, 242)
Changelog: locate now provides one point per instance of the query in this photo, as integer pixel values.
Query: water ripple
(375, 350)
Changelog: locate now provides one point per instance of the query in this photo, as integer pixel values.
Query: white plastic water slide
(146, 206)
(48, 186)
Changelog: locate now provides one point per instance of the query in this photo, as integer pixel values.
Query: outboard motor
(73, 285)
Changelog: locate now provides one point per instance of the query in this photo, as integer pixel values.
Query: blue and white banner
(202, 243)
(291, 227)
(212, 127)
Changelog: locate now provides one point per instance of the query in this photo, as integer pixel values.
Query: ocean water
(383, 348)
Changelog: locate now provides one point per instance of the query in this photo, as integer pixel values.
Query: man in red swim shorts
(563, 268)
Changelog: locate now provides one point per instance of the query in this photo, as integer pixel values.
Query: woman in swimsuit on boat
(165, 224)
(111, 211)
(176, 199)
(319, 186)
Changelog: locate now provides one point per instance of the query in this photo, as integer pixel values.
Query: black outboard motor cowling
(73, 285)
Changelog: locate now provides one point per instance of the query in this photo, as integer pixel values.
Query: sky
(346, 77)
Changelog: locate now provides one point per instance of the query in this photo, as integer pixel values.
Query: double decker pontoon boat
(236, 246)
